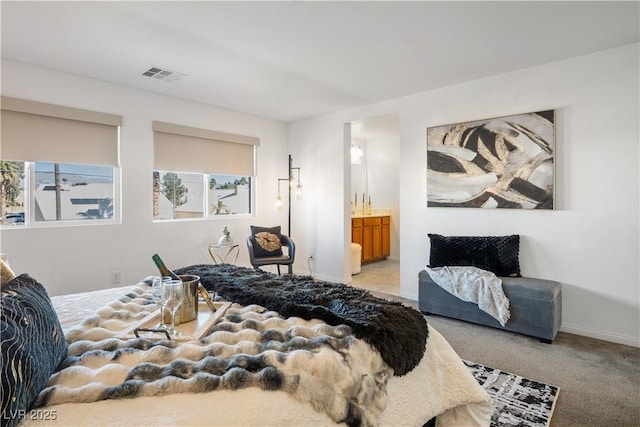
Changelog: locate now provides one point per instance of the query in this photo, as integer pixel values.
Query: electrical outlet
(309, 264)
(115, 277)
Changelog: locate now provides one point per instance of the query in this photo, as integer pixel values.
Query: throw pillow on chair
(268, 241)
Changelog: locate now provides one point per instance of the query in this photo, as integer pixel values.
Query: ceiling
(295, 59)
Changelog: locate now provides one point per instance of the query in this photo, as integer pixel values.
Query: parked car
(15, 218)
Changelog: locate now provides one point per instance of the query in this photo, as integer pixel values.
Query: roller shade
(186, 149)
(34, 131)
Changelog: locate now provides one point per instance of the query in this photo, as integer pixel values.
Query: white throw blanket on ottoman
(474, 285)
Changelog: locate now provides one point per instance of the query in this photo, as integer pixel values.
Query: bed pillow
(498, 254)
(33, 345)
(267, 241)
(6, 273)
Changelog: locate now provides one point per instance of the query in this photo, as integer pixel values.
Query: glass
(73, 192)
(177, 195)
(172, 295)
(12, 175)
(156, 291)
(45, 193)
(229, 195)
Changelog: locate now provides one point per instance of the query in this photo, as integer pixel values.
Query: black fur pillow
(266, 241)
(33, 345)
(498, 254)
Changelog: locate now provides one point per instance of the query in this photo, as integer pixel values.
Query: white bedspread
(440, 385)
(474, 285)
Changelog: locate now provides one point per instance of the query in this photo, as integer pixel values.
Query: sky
(73, 173)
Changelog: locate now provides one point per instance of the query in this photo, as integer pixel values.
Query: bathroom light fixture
(356, 154)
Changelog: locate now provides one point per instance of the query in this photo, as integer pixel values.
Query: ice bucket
(189, 307)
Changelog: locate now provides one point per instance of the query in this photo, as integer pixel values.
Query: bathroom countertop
(380, 212)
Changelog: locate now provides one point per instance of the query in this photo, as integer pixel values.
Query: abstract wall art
(504, 162)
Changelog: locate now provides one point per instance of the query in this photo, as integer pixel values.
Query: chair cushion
(267, 241)
(33, 344)
(498, 254)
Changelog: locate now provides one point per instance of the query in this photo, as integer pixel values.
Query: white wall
(73, 259)
(590, 242)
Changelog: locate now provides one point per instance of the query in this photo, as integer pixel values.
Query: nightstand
(221, 254)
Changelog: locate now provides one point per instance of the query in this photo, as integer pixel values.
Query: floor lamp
(291, 183)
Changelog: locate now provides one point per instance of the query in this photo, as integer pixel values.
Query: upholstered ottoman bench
(535, 305)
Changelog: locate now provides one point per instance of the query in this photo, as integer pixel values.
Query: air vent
(163, 74)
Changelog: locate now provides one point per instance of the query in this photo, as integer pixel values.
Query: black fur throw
(398, 332)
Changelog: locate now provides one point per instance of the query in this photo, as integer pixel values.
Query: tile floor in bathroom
(380, 276)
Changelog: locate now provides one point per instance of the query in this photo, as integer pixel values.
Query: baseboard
(413, 296)
(316, 276)
(302, 272)
(601, 335)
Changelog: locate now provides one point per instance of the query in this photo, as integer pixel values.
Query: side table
(220, 254)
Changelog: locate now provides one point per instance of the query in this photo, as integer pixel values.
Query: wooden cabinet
(386, 236)
(373, 233)
(356, 230)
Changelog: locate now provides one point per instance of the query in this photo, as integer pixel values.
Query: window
(12, 193)
(229, 194)
(183, 195)
(59, 164)
(178, 195)
(72, 192)
(198, 168)
(42, 192)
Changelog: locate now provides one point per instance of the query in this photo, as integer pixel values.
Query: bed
(438, 387)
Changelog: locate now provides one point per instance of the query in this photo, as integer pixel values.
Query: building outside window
(73, 192)
(229, 194)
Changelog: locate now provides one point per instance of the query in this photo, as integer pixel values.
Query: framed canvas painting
(503, 162)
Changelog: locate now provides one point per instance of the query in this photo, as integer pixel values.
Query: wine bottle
(164, 271)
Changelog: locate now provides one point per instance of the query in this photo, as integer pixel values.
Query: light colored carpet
(599, 381)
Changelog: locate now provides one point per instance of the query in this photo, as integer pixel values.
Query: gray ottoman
(535, 304)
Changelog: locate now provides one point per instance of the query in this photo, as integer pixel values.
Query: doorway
(375, 171)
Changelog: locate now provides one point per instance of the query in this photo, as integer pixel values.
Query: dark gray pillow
(267, 241)
(33, 345)
(498, 254)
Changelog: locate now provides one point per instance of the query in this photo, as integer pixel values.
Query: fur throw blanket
(398, 332)
(323, 365)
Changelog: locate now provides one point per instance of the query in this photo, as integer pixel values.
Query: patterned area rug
(517, 401)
